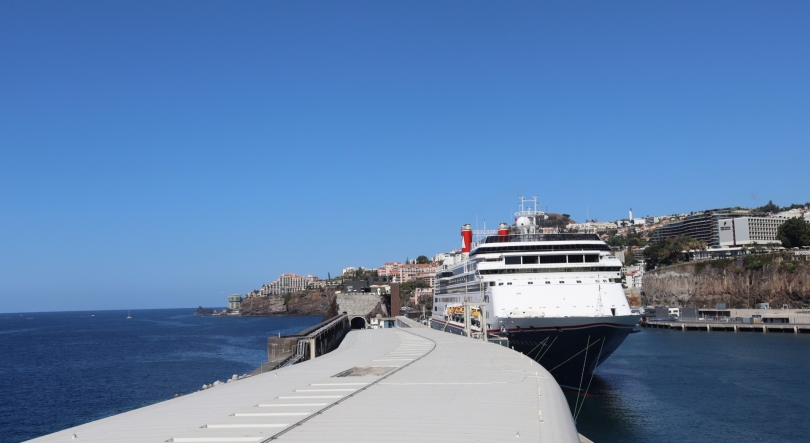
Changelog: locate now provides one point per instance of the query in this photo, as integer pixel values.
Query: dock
(729, 326)
(403, 384)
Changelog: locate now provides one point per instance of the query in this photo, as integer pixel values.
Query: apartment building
(390, 268)
(591, 227)
(700, 226)
(287, 283)
(412, 271)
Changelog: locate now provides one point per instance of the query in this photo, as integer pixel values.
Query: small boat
(129, 317)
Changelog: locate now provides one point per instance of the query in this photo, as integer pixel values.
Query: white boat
(556, 297)
(129, 317)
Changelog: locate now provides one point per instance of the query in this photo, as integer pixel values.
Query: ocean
(666, 385)
(62, 369)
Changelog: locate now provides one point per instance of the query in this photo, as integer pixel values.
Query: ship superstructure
(556, 297)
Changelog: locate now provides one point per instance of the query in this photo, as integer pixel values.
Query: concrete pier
(406, 384)
(735, 327)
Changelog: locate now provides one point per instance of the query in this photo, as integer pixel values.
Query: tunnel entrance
(358, 323)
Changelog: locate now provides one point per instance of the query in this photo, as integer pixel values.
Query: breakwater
(777, 279)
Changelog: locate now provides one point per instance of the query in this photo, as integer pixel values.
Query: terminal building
(743, 231)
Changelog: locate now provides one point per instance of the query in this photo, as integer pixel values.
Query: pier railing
(324, 338)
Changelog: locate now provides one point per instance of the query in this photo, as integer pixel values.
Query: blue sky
(165, 154)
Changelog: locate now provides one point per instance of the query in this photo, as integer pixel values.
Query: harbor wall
(776, 279)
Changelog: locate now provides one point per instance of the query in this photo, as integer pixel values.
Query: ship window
(579, 281)
(548, 282)
(529, 259)
(492, 283)
(562, 281)
(575, 259)
(509, 284)
(531, 282)
(500, 284)
(552, 259)
(513, 260)
(591, 258)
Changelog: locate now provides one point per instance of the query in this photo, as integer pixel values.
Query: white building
(633, 276)
(742, 231)
(438, 258)
(591, 227)
(234, 302)
(287, 283)
(349, 270)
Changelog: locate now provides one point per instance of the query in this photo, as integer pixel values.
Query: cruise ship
(556, 297)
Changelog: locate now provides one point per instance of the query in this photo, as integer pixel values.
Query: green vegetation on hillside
(669, 251)
(632, 239)
(406, 291)
(793, 233)
(771, 207)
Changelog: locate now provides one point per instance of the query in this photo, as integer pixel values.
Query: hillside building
(700, 226)
(234, 302)
(743, 231)
(286, 283)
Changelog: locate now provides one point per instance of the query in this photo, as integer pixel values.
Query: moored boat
(556, 297)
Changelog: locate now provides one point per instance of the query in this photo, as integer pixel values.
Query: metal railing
(303, 342)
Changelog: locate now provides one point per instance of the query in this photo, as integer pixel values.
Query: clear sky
(166, 154)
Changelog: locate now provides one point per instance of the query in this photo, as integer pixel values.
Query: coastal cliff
(776, 279)
(310, 302)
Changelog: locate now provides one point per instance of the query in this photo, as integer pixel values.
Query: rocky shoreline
(310, 302)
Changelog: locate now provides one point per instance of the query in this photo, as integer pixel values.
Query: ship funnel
(466, 238)
(503, 232)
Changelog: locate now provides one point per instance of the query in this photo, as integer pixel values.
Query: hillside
(310, 302)
(776, 279)
(559, 221)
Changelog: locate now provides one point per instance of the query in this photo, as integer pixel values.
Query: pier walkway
(394, 385)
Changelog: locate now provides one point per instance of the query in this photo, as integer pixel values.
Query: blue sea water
(63, 369)
(695, 386)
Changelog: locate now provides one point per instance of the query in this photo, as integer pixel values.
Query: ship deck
(404, 384)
